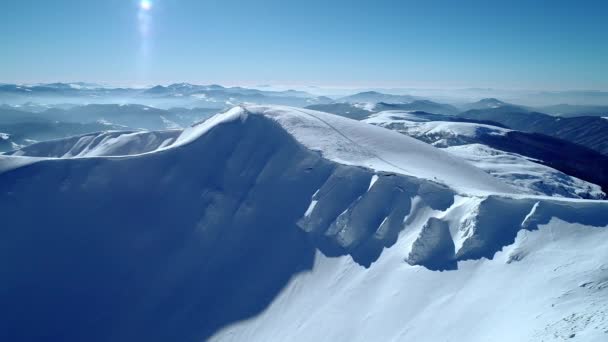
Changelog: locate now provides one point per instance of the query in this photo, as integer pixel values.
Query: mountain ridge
(209, 233)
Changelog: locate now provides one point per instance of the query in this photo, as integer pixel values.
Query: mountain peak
(491, 102)
(356, 143)
(263, 213)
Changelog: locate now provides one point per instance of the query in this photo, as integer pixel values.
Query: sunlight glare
(145, 5)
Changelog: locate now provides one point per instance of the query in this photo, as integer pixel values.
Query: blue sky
(409, 43)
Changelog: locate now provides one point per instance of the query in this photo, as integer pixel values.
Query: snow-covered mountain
(105, 143)
(537, 162)
(30, 130)
(589, 131)
(359, 110)
(480, 145)
(25, 127)
(130, 115)
(286, 224)
(486, 103)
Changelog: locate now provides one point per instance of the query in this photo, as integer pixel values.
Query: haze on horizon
(431, 44)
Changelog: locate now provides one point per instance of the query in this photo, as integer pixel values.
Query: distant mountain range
(375, 97)
(178, 94)
(21, 128)
(567, 110)
(589, 131)
(559, 154)
(68, 102)
(218, 96)
(484, 104)
(524, 160)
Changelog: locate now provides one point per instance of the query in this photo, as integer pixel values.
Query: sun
(145, 5)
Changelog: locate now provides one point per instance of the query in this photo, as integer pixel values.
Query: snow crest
(206, 236)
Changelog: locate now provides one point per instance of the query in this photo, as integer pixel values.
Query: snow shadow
(175, 245)
(170, 246)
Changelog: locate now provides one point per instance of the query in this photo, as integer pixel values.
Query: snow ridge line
(353, 142)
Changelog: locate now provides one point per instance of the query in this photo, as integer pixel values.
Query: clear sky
(520, 44)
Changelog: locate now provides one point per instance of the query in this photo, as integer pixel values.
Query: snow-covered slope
(550, 285)
(525, 174)
(440, 133)
(109, 143)
(465, 140)
(274, 224)
(588, 131)
(353, 143)
(338, 139)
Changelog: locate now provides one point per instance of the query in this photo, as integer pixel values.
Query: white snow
(538, 298)
(414, 124)
(190, 134)
(168, 123)
(105, 122)
(530, 215)
(352, 142)
(312, 206)
(202, 96)
(460, 128)
(110, 143)
(372, 181)
(460, 139)
(523, 174)
(199, 227)
(368, 106)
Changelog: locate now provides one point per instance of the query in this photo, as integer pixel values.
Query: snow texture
(272, 223)
(110, 143)
(462, 139)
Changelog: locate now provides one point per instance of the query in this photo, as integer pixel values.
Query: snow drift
(274, 223)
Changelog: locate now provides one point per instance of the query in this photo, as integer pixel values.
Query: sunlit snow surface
(353, 143)
(549, 285)
(462, 139)
(277, 224)
(110, 143)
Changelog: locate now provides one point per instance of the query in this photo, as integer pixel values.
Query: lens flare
(145, 5)
(144, 20)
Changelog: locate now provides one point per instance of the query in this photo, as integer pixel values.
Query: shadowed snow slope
(269, 223)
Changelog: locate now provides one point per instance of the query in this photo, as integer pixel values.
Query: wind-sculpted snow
(180, 242)
(495, 221)
(111, 143)
(349, 217)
